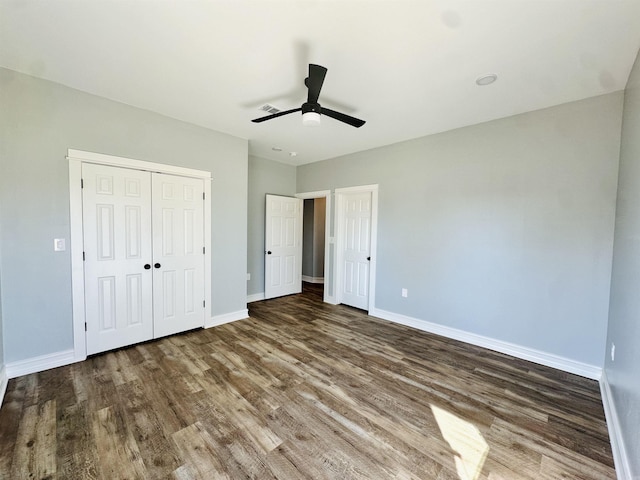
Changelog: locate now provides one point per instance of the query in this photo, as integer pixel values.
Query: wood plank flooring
(304, 390)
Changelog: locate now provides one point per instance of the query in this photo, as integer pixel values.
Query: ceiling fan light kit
(311, 119)
(311, 109)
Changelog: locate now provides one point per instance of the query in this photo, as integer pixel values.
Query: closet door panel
(178, 255)
(117, 246)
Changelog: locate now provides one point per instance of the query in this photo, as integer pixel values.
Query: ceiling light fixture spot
(276, 149)
(486, 79)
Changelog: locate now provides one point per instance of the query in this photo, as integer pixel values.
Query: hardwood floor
(304, 390)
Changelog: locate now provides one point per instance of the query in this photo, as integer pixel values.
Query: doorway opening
(317, 244)
(313, 245)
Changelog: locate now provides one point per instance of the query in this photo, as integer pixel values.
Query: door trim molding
(76, 158)
(327, 296)
(340, 193)
(112, 160)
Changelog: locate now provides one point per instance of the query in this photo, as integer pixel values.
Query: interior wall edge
(620, 457)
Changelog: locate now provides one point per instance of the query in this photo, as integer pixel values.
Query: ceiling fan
(311, 109)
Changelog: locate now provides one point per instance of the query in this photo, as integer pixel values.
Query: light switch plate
(59, 245)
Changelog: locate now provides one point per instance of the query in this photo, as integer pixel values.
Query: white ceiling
(406, 67)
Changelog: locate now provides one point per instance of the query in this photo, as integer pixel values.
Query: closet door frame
(76, 158)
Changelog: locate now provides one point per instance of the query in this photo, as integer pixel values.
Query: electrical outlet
(248, 277)
(405, 293)
(613, 352)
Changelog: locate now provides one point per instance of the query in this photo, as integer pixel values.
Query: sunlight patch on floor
(465, 440)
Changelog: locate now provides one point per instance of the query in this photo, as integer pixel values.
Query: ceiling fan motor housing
(311, 114)
(311, 107)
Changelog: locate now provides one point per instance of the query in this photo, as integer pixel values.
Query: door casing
(76, 158)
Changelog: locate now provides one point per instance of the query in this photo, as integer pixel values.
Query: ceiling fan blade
(314, 82)
(275, 115)
(354, 122)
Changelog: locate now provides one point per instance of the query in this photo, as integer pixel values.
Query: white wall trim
(255, 297)
(76, 158)
(358, 188)
(308, 279)
(102, 159)
(326, 194)
(217, 320)
(310, 195)
(4, 381)
(519, 351)
(76, 248)
(40, 363)
(620, 457)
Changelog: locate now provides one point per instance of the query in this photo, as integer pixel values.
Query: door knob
(147, 266)
(269, 252)
(157, 265)
(369, 258)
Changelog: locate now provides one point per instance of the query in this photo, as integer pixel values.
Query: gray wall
(40, 120)
(265, 176)
(624, 314)
(503, 229)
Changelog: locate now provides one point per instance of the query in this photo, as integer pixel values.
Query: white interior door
(178, 254)
(283, 246)
(117, 249)
(356, 245)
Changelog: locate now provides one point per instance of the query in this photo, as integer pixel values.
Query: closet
(143, 250)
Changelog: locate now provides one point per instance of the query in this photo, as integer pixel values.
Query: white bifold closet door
(144, 257)
(178, 249)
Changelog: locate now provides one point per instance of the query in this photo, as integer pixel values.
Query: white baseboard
(255, 297)
(217, 320)
(4, 380)
(525, 353)
(620, 457)
(308, 279)
(41, 363)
